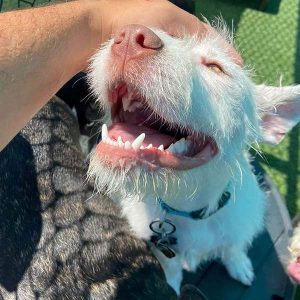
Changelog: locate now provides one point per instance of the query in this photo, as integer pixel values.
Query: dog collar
(164, 228)
(199, 214)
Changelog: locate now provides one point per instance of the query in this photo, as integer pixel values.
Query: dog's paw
(240, 268)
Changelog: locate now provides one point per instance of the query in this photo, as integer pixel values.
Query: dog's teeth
(104, 132)
(110, 142)
(126, 102)
(142, 147)
(120, 142)
(179, 147)
(127, 145)
(171, 148)
(127, 99)
(137, 143)
(149, 146)
(161, 148)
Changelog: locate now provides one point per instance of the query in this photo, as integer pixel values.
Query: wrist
(98, 24)
(87, 36)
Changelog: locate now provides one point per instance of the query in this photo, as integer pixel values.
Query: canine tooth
(142, 147)
(126, 102)
(127, 145)
(181, 147)
(137, 143)
(104, 133)
(171, 148)
(161, 148)
(178, 148)
(149, 146)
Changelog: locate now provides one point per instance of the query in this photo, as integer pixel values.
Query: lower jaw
(151, 159)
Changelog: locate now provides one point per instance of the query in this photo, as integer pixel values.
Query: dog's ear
(279, 110)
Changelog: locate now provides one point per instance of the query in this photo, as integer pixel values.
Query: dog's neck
(208, 194)
(212, 182)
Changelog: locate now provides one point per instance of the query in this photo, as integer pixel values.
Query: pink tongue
(129, 132)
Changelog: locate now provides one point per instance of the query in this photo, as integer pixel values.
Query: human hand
(112, 15)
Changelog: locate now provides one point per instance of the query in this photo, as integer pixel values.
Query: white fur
(294, 246)
(182, 90)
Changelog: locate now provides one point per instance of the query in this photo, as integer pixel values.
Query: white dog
(181, 115)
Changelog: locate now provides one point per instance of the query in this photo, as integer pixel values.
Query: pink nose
(135, 41)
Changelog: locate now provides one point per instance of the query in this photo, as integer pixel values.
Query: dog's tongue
(129, 132)
(294, 271)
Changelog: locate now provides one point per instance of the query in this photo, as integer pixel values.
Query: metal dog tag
(165, 249)
(162, 240)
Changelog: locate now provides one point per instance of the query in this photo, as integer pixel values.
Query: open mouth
(141, 136)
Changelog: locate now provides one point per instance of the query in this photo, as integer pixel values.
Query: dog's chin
(131, 179)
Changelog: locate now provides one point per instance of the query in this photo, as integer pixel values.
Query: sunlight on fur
(190, 94)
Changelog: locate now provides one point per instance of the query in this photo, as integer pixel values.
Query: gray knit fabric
(58, 239)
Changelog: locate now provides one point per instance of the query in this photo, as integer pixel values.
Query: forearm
(40, 49)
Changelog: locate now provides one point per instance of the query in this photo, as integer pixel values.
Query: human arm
(42, 48)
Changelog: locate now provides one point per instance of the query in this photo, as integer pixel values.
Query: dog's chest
(203, 235)
(235, 223)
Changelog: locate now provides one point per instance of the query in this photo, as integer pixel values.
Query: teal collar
(199, 214)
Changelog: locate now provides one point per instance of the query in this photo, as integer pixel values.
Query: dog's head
(179, 111)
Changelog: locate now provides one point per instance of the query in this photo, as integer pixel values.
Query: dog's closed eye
(215, 68)
(212, 65)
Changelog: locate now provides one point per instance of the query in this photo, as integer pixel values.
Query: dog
(181, 114)
(293, 265)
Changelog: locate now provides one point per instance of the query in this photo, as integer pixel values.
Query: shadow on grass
(232, 10)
